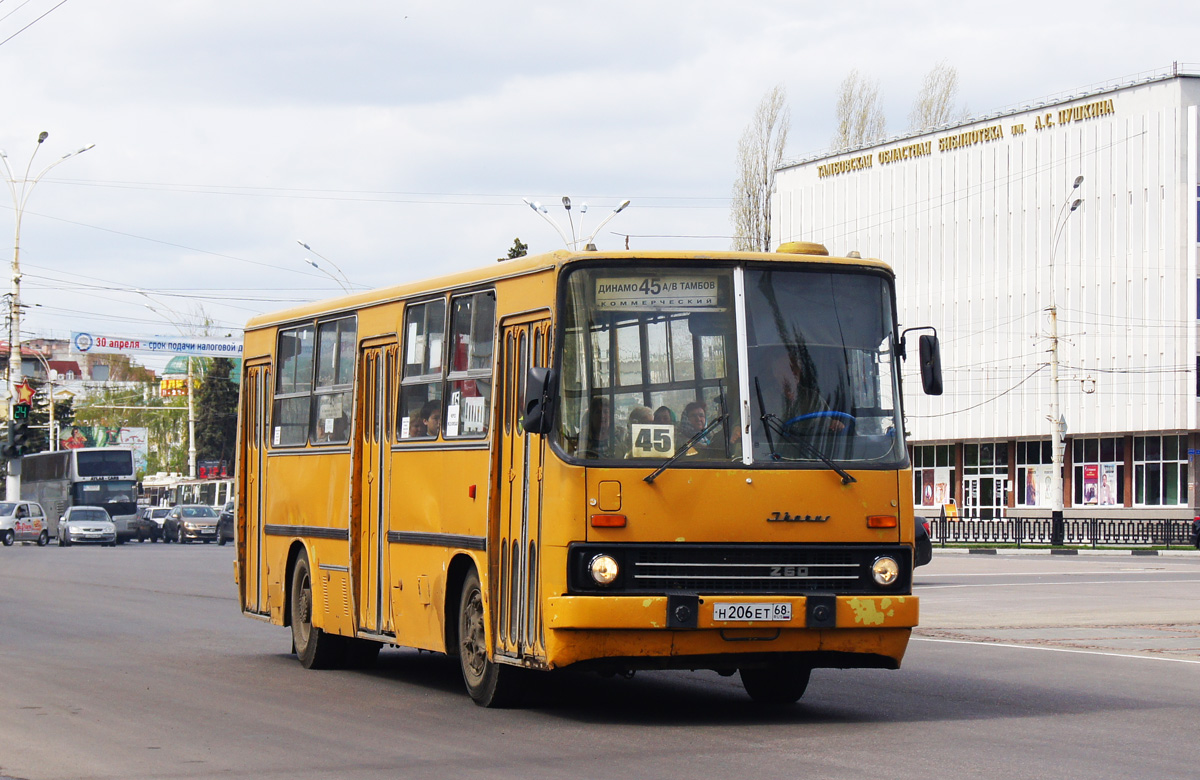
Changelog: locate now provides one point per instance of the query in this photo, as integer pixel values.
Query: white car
(90, 524)
(23, 521)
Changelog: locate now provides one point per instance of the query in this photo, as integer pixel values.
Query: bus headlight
(603, 569)
(885, 571)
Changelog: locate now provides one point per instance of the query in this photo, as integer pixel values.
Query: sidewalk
(1174, 552)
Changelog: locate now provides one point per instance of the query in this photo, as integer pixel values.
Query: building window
(1098, 471)
(933, 474)
(1160, 471)
(1035, 472)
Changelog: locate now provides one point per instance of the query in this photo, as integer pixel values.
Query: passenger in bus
(695, 417)
(664, 415)
(638, 415)
(431, 417)
(789, 390)
(598, 440)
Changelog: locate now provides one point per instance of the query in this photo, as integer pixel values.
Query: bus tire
(489, 683)
(315, 648)
(777, 683)
(43, 538)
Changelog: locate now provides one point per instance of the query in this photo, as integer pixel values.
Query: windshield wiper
(766, 426)
(770, 422)
(700, 434)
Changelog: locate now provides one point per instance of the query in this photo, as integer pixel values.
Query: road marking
(1055, 584)
(1053, 649)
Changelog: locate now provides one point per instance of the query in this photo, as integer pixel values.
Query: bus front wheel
(314, 648)
(776, 683)
(489, 683)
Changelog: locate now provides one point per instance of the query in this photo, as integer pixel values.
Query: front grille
(740, 569)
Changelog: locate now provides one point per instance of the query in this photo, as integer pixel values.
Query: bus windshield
(651, 367)
(118, 497)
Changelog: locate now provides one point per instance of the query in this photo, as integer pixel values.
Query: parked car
(150, 522)
(23, 521)
(90, 524)
(923, 553)
(190, 522)
(225, 524)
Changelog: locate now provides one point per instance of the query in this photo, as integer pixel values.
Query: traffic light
(20, 436)
(9, 450)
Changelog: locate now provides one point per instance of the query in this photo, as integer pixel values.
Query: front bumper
(78, 537)
(639, 632)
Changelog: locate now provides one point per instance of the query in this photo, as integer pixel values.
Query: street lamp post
(20, 197)
(190, 383)
(343, 282)
(51, 436)
(1057, 421)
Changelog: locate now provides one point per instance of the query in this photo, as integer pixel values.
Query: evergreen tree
(216, 414)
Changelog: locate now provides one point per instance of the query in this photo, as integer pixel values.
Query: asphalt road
(134, 662)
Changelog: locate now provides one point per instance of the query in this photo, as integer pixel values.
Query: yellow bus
(607, 461)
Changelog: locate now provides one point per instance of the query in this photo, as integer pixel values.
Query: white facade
(976, 220)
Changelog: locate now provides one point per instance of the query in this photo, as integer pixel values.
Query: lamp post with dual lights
(20, 190)
(343, 282)
(1058, 423)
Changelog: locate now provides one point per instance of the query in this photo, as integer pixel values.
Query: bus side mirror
(541, 389)
(931, 364)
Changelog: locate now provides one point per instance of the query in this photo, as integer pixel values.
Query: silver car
(86, 524)
(23, 521)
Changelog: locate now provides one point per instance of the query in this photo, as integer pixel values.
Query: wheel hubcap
(474, 646)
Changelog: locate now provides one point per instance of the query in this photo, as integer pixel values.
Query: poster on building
(77, 436)
(927, 478)
(1091, 484)
(1108, 484)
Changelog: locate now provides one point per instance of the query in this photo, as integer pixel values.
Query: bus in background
(597, 460)
(172, 489)
(89, 476)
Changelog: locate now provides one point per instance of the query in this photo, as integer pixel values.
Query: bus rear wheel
(777, 683)
(489, 683)
(315, 648)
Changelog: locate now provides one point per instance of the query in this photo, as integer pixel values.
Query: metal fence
(1093, 532)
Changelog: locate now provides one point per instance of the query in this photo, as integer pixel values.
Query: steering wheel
(843, 417)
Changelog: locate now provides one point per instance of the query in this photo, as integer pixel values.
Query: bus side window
(421, 383)
(469, 393)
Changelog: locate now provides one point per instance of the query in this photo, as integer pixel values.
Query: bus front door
(517, 621)
(369, 533)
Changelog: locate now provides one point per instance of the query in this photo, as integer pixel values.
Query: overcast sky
(397, 138)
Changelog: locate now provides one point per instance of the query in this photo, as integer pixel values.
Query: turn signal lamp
(608, 521)
(882, 521)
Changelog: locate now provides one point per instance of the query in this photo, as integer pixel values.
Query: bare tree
(759, 154)
(935, 105)
(860, 117)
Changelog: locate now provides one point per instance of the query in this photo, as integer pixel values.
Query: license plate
(745, 613)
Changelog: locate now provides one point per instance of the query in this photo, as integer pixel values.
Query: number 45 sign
(652, 441)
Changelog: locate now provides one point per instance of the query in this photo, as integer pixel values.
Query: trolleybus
(590, 460)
